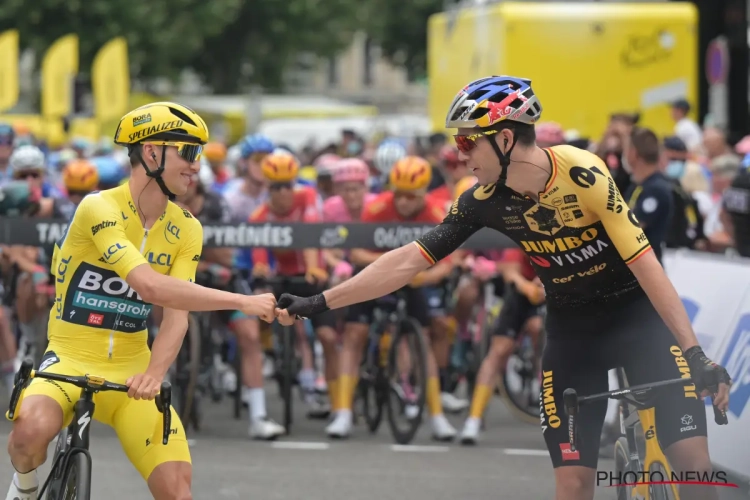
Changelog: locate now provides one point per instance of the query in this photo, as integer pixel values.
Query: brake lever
(164, 403)
(23, 375)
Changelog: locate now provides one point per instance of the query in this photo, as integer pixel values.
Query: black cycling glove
(705, 373)
(302, 307)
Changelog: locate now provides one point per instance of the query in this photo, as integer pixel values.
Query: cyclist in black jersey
(211, 208)
(736, 211)
(609, 301)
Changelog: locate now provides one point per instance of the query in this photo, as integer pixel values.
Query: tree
(266, 36)
(162, 35)
(400, 28)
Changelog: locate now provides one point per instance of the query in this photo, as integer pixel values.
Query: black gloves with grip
(705, 373)
(302, 307)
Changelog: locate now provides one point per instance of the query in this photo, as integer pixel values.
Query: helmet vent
(182, 116)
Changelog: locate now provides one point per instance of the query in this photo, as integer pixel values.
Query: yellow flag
(8, 69)
(110, 80)
(59, 68)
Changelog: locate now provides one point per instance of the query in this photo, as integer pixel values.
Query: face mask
(675, 169)
(354, 148)
(626, 165)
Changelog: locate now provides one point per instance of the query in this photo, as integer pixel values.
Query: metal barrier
(40, 232)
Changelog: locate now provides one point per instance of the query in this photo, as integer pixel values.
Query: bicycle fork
(653, 456)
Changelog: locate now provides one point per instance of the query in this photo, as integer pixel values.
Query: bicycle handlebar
(572, 402)
(91, 383)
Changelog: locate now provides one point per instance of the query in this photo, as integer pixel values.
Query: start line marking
(400, 448)
(526, 452)
(418, 448)
(300, 445)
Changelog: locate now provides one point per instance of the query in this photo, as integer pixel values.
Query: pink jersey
(334, 208)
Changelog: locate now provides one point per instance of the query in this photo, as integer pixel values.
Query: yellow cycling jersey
(579, 235)
(95, 310)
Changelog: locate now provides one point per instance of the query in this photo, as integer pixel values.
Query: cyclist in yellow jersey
(609, 302)
(125, 249)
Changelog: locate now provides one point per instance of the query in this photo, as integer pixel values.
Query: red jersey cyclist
(407, 201)
(454, 170)
(289, 204)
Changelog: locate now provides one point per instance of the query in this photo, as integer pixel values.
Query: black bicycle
(70, 477)
(287, 365)
(639, 447)
(394, 370)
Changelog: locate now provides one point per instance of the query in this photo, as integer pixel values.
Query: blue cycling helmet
(256, 144)
(110, 171)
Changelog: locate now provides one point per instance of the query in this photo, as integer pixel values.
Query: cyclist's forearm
(173, 293)
(312, 258)
(663, 296)
(167, 343)
(387, 274)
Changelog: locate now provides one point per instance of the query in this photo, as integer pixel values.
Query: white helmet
(387, 154)
(28, 158)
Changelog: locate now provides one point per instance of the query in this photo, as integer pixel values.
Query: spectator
(7, 136)
(736, 212)
(685, 128)
(681, 168)
(715, 144)
(436, 142)
(549, 134)
(650, 194)
(723, 169)
(610, 150)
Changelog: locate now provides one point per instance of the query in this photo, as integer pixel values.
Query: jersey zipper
(112, 332)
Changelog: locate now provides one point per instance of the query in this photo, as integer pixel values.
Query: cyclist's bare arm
(361, 257)
(167, 344)
(663, 296)
(387, 274)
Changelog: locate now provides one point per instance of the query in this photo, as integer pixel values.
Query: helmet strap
(504, 159)
(157, 174)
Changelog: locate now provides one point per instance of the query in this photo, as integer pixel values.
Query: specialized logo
(140, 120)
(149, 131)
(483, 192)
(544, 219)
(102, 225)
(99, 298)
(83, 422)
(547, 406)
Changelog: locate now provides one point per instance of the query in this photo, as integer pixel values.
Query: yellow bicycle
(634, 457)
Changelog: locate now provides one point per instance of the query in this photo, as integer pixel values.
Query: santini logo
(102, 225)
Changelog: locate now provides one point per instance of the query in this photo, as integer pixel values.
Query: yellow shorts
(134, 421)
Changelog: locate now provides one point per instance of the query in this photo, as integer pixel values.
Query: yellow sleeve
(189, 255)
(98, 220)
(598, 193)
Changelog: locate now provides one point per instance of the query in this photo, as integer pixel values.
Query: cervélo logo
(102, 225)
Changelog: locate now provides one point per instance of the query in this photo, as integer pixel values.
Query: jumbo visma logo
(99, 298)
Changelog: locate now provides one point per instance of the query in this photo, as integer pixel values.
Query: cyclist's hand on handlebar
(143, 386)
(263, 306)
(261, 270)
(707, 375)
(316, 275)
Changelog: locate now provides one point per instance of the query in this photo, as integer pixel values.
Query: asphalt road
(510, 463)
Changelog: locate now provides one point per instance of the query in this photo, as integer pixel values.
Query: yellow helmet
(80, 175)
(215, 152)
(161, 121)
(279, 167)
(411, 173)
(463, 185)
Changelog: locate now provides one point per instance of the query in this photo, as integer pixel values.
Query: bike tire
(409, 330)
(622, 465)
(77, 478)
(188, 367)
(370, 386)
(237, 367)
(525, 412)
(287, 373)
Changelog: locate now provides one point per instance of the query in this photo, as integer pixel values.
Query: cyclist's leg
(138, 424)
(516, 310)
(576, 356)
(653, 355)
(45, 408)
(247, 330)
(417, 309)
(356, 330)
(466, 298)
(7, 349)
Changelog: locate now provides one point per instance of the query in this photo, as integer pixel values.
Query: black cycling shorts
(515, 312)
(582, 345)
(416, 307)
(323, 319)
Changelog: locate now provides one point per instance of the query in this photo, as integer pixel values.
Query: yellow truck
(585, 60)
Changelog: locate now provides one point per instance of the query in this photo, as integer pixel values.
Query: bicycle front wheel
(77, 478)
(287, 373)
(186, 371)
(622, 462)
(407, 381)
(520, 384)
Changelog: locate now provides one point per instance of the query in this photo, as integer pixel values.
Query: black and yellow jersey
(95, 310)
(580, 236)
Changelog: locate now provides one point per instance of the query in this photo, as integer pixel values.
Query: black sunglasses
(278, 186)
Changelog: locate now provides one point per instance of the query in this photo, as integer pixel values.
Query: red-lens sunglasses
(466, 143)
